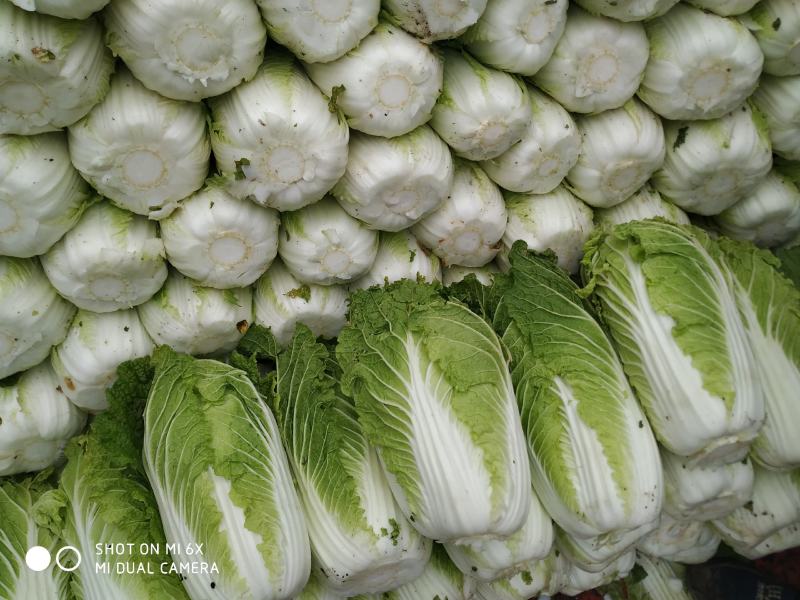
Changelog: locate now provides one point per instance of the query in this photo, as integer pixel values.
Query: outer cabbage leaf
(594, 459)
(221, 479)
(674, 319)
(433, 393)
(104, 498)
(19, 501)
(360, 540)
(770, 307)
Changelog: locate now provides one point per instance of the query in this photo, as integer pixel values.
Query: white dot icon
(38, 558)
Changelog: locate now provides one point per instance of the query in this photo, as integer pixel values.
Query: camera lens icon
(38, 558)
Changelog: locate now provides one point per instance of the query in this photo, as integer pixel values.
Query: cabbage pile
(395, 299)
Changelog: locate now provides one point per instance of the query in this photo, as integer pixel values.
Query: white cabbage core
(228, 250)
(143, 168)
(108, 288)
(22, 98)
(710, 84)
(394, 91)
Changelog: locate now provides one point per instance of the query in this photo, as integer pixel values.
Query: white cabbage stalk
(557, 221)
(701, 66)
(142, 151)
(187, 50)
(52, 72)
(360, 540)
(725, 8)
(229, 489)
(467, 227)
(97, 343)
(546, 577)
(770, 305)
(36, 421)
(433, 20)
(778, 99)
(517, 35)
(549, 148)
(597, 64)
(195, 319)
(711, 165)
(628, 10)
(319, 31)
(112, 259)
(662, 580)
(33, 317)
(484, 275)
(783, 539)
(689, 542)
(42, 196)
(769, 216)
(323, 244)
(280, 302)
(275, 138)
(456, 422)
(481, 112)
(221, 241)
(776, 25)
(392, 184)
(646, 203)
(387, 86)
(704, 493)
(440, 579)
(674, 318)
(596, 554)
(64, 9)
(621, 149)
(488, 560)
(775, 504)
(577, 580)
(400, 256)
